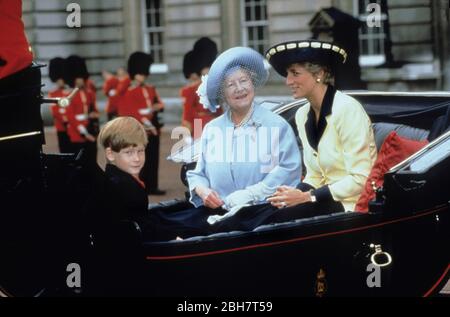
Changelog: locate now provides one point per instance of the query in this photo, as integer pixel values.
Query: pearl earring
(317, 80)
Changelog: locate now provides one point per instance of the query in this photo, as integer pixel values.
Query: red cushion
(394, 150)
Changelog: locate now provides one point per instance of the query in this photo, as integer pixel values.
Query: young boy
(118, 199)
(124, 140)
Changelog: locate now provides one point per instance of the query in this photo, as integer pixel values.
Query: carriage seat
(382, 129)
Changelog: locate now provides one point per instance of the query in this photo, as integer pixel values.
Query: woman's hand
(286, 196)
(211, 199)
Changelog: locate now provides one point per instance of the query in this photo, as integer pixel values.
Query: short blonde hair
(121, 133)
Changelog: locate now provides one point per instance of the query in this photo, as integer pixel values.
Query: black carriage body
(410, 224)
(287, 259)
(45, 227)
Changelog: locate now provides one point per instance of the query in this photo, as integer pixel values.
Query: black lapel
(314, 132)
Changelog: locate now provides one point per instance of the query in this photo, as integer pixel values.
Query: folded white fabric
(231, 212)
(239, 197)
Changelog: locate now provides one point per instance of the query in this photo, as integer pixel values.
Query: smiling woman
(239, 94)
(254, 153)
(339, 145)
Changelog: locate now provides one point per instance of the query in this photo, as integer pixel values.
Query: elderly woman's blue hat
(282, 55)
(234, 58)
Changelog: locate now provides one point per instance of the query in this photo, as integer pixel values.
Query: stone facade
(112, 29)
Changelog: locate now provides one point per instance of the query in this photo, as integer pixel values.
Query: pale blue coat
(260, 155)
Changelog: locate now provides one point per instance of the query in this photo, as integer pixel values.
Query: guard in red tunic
(82, 110)
(60, 119)
(115, 87)
(195, 116)
(142, 102)
(91, 85)
(20, 102)
(206, 50)
(15, 53)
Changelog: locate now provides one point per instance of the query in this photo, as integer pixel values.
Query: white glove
(216, 218)
(239, 197)
(260, 191)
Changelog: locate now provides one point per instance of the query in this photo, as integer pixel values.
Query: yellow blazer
(345, 153)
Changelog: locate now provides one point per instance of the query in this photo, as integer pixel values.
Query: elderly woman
(246, 154)
(338, 143)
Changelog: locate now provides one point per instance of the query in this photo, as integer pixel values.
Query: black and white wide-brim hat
(282, 55)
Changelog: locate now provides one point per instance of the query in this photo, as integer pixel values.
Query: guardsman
(142, 102)
(81, 110)
(60, 119)
(207, 52)
(20, 106)
(15, 52)
(195, 116)
(109, 89)
(91, 85)
(114, 88)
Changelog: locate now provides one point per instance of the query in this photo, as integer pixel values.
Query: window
(154, 29)
(373, 40)
(255, 24)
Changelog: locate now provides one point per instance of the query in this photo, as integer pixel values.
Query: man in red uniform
(60, 119)
(20, 102)
(142, 102)
(16, 73)
(195, 116)
(15, 53)
(114, 88)
(206, 49)
(91, 85)
(81, 110)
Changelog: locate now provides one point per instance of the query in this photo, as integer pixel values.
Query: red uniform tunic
(109, 89)
(115, 88)
(15, 52)
(78, 114)
(60, 118)
(193, 109)
(138, 102)
(90, 85)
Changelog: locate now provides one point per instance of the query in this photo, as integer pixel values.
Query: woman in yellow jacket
(338, 142)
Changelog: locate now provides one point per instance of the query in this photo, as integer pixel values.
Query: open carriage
(399, 248)
(336, 254)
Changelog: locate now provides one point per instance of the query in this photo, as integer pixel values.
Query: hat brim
(282, 55)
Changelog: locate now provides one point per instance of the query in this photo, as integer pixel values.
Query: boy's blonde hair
(122, 132)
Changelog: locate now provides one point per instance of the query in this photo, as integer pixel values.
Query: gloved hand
(239, 197)
(231, 212)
